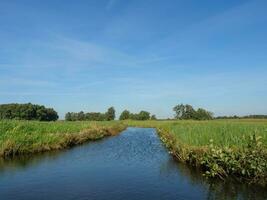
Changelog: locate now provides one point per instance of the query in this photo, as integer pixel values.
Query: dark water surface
(133, 165)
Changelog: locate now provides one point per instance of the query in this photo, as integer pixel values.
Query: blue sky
(135, 54)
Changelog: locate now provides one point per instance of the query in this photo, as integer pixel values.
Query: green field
(232, 133)
(24, 137)
(221, 148)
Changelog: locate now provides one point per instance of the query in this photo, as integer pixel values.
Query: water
(133, 165)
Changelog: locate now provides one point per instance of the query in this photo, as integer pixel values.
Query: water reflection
(216, 189)
(23, 162)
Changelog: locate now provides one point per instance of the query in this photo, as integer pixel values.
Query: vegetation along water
(221, 148)
(133, 165)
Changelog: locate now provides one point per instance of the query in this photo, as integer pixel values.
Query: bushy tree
(110, 114)
(68, 116)
(179, 111)
(203, 114)
(188, 112)
(125, 115)
(27, 112)
(80, 116)
(95, 116)
(153, 117)
(143, 115)
(91, 116)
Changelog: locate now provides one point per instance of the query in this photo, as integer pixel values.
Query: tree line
(188, 112)
(91, 116)
(27, 111)
(142, 115)
(30, 111)
(108, 116)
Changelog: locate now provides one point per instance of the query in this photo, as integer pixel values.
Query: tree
(27, 112)
(68, 116)
(179, 111)
(143, 115)
(153, 117)
(80, 116)
(51, 115)
(188, 112)
(91, 116)
(110, 114)
(203, 114)
(125, 115)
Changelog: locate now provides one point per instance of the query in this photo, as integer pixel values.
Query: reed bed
(26, 137)
(221, 148)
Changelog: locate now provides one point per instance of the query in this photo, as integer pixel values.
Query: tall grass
(23, 137)
(221, 132)
(221, 148)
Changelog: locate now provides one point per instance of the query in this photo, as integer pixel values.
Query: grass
(221, 148)
(222, 132)
(25, 137)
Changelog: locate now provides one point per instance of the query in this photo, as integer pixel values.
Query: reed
(25, 137)
(221, 148)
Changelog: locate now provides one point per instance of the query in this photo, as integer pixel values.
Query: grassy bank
(221, 148)
(25, 137)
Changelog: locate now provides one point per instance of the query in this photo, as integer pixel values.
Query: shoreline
(247, 163)
(10, 148)
(211, 161)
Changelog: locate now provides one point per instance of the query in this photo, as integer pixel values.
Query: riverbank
(27, 137)
(220, 148)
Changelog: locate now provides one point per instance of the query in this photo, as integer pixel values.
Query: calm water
(133, 165)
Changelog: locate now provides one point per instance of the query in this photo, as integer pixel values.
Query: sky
(135, 54)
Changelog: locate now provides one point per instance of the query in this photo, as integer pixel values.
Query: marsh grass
(221, 132)
(25, 137)
(221, 148)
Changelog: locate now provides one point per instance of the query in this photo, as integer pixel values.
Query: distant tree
(134, 116)
(91, 116)
(51, 115)
(143, 115)
(81, 116)
(95, 116)
(125, 115)
(110, 114)
(203, 114)
(153, 117)
(27, 112)
(179, 111)
(188, 112)
(68, 116)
